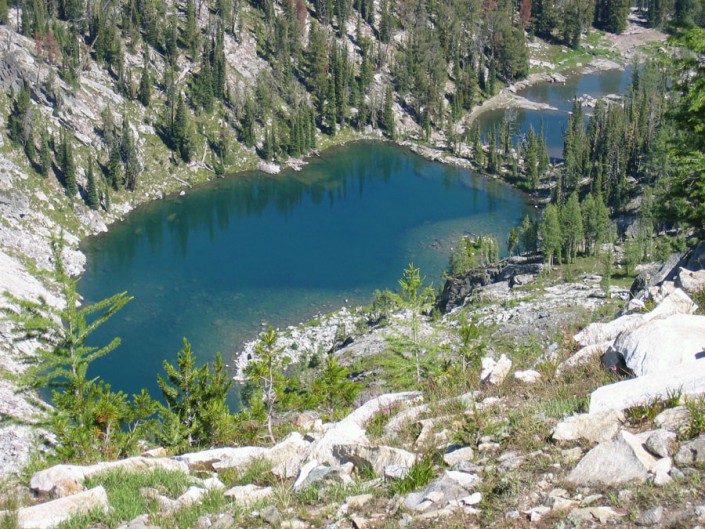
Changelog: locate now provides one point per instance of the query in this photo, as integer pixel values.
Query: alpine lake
(226, 259)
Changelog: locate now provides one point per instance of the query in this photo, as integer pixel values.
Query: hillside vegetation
(111, 104)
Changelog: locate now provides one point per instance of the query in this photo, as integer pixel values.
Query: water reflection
(214, 264)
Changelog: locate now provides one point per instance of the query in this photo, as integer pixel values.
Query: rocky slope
(521, 450)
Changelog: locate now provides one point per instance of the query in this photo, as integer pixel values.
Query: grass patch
(420, 474)
(645, 414)
(259, 472)
(125, 498)
(375, 426)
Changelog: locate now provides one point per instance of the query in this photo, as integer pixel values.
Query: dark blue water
(213, 265)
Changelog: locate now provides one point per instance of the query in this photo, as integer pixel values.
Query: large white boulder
(691, 282)
(378, 458)
(587, 354)
(351, 430)
(613, 462)
(594, 427)
(495, 371)
(686, 379)
(52, 513)
(677, 302)
(598, 333)
(661, 344)
(221, 458)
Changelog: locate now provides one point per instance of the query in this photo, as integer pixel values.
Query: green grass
(124, 495)
(259, 472)
(420, 474)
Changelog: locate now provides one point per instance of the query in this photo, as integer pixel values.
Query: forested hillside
(211, 84)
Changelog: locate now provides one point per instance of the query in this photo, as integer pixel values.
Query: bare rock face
(621, 460)
(594, 427)
(598, 333)
(686, 379)
(656, 347)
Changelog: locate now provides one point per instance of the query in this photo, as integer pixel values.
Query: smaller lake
(216, 264)
(560, 96)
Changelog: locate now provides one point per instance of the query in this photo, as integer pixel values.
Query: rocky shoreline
(34, 212)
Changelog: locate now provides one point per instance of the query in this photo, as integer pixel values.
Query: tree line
(435, 59)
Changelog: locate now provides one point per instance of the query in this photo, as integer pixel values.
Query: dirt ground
(635, 36)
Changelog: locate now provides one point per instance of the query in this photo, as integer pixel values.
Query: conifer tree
(477, 150)
(388, 115)
(18, 119)
(68, 166)
(128, 153)
(331, 114)
(544, 160)
(115, 166)
(550, 234)
(531, 159)
(4, 12)
(332, 390)
(92, 199)
(191, 33)
(528, 234)
(266, 371)
(572, 227)
(196, 412)
(145, 89)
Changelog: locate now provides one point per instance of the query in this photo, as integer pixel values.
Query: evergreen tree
(684, 197)
(331, 113)
(388, 114)
(128, 153)
(477, 149)
(247, 124)
(531, 159)
(90, 421)
(196, 412)
(18, 121)
(332, 390)
(145, 89)
(544, 160)
(572, 227)
(611, 15)
(4, 12)
(528, 233)
(266, 371)
(203, 83)
(513, 241)
(219, 73)
(191, 32)
(68, 166)
(115, 166)
(550, 234)
(92, 199)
